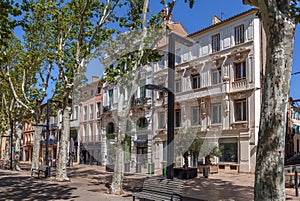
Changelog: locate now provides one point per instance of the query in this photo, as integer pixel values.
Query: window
(111, 97)
(91, 132)
(91, 111)
(161, 123)
(215, 43)
(241, 110)
(216, 113)
(178, 118)
(142, 123)
(177, 86)
(228, 148)
(75, 112)
(98, 90)
(240, 71)
(196, 115)
(239, 34)
(196, 81)
(216, 76)
(92, 92)
(85, 113)
(98, 109)
(142, 89)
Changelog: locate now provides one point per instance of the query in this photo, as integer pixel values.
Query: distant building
(91, 139)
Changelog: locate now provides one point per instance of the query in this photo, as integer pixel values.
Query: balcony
(91, 138)
(106, 108)
(140, 101)
(239, 84)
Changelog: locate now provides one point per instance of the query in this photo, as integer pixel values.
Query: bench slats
(160, 189)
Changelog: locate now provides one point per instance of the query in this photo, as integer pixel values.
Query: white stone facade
(217, 92)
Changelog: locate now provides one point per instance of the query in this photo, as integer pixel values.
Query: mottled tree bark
(6, 160)
(61, 170)
(17, 149)
(280, 29)
(36, 147)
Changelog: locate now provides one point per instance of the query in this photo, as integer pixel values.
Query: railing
(90, 138)
(106, 108)
(239, 84)
(140, 101)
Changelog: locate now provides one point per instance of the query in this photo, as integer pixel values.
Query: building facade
(217, 91)
(91, 151)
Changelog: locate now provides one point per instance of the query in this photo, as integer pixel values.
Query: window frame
(218, 73)
(239, 34)
(196, 81)
(240, 111)
(161, 120)
(196, 119)
(215, 43)
(240, 74)
(218, 118)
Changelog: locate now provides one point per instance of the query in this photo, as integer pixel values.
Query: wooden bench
(160, 189)
(41, 168)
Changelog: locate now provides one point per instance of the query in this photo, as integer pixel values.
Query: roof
(177, 28)
(253, 10)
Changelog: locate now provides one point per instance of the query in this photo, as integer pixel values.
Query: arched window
(110, 129)
(142, 123)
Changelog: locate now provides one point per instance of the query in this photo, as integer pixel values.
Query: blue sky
(200, 17)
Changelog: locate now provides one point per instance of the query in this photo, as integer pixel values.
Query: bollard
(296, 183)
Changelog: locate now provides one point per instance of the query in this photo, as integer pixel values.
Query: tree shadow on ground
(18, 187)
(216, 189)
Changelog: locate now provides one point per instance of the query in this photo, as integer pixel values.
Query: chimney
(95, 78)
(215, 20)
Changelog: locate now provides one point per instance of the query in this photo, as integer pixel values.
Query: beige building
(90, 121)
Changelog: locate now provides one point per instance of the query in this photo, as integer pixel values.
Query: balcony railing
(91, 138)
(239, 84)
(140, 101)
(106, 108)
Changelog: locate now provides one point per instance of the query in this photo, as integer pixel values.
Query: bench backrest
(166, 186)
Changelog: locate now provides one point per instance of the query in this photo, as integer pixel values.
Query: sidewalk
(87, 183)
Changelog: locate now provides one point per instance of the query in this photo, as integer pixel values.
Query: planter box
(212, 168)
(182, 173)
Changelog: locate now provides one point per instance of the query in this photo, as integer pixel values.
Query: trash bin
(138, 168)
(150, 168)
(164, 168)
(206, 172)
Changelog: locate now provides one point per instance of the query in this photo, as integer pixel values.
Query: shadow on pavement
(18, 187)
(216, 189)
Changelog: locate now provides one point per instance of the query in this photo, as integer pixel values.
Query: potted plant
(209, 150)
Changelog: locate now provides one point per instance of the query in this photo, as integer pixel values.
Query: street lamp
(173, 37)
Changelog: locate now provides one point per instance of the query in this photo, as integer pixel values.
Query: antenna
(222, 15)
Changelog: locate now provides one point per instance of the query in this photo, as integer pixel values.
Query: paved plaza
(88, 183)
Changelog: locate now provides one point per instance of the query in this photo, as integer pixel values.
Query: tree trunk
(36, 147)
(17, 149)
(279, 28)
(61, 171)
(6, 160)
(119, 170)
